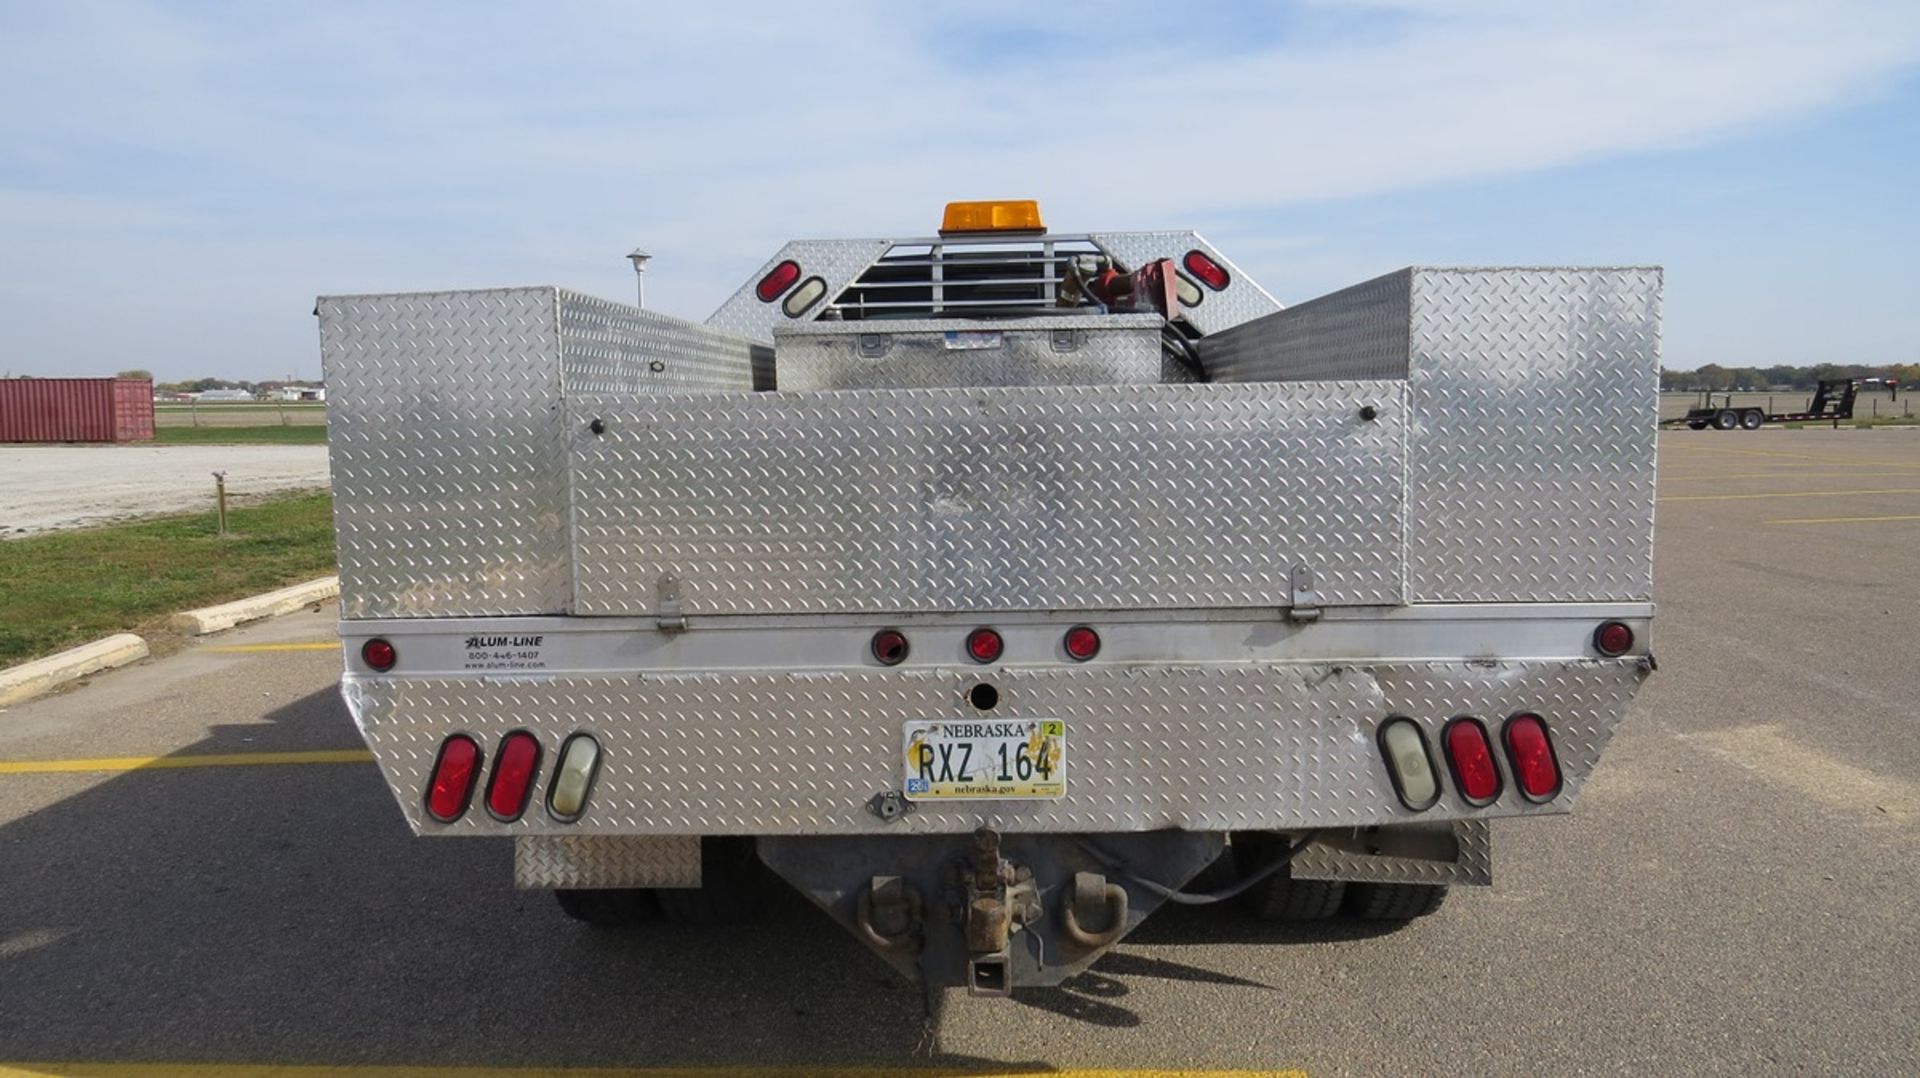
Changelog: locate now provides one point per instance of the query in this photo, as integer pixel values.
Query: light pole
(639, 260)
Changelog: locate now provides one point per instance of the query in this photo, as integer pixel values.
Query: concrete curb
(28, 680)
(212, 619)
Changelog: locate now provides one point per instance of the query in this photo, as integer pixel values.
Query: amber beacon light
(1004, 215)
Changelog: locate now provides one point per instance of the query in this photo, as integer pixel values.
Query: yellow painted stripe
(144, 763)
(1787, 494)
(271, 1071)
(1842, 520)
(313, 645)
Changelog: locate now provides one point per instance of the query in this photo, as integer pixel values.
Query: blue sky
(178, 181)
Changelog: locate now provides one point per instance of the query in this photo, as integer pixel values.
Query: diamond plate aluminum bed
(628, 588)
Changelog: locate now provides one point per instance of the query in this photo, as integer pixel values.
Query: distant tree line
(201, 385)
(1719, 379)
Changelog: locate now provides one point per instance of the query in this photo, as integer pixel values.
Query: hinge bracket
(669, 617)
(1306, 601)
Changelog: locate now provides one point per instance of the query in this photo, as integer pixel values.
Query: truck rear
(994, 587)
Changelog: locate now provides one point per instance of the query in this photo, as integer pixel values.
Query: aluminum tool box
(1303, 544)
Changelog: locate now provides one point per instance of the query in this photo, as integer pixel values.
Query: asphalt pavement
(1734, 894)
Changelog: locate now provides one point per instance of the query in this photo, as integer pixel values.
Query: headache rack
(963, 276)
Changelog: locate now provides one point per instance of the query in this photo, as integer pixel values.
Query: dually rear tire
(607, 907)
(1394, 901)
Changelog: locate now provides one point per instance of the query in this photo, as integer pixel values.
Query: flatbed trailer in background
(1833, 399)
(994, 587)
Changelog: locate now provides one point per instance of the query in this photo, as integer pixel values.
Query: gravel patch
(46, 488)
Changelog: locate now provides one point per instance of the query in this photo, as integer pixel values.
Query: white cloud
(261, 155)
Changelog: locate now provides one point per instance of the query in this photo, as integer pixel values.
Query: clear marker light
(1411, 766)
(1189, 293)
(572, 776)
(804, 297)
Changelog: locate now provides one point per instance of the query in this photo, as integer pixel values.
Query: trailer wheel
(1726, 419)
(733, 885)
(1752, 419)
(1696, 424)
(1280, 897)
(607, 907)
(1394, 901)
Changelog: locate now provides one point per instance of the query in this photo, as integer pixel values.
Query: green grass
(308, 434)
(67, 588)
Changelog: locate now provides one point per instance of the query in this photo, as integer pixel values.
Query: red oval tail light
(777, 281)
(1211, 273)
(450, 786)
(513, 769)
(1531, 753)
(1470, 755)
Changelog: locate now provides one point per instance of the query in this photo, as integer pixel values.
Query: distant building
(216, 395)
(302, 393)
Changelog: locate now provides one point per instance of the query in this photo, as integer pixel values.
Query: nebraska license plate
(969, 759)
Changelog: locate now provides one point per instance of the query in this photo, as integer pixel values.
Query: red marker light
(890, 647)
(984, 645)
(1471, 756)
(1211, 273)
(379, 654)
(450, 786)
(513, 770)
(1613, 638)
(777, 281)
(1531, 753)
(1082, 643)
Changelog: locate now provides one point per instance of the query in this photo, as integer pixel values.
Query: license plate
(972, 759)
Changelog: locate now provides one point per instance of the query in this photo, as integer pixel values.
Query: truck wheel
(1280, 897)
(1696, 424)
(733, 885)
(607, 907)
(1752, 419)
(1726, 419)
(1394, 901)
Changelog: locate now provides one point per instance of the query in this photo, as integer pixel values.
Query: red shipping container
(76, 410)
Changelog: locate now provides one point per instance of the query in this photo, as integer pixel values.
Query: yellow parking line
(1787, 494)
(314, 645)
(1841, 520)
(375, 1071)
(143, 763)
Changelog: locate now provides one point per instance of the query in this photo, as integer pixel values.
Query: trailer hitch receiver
(987, 911)
(1000, 900)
